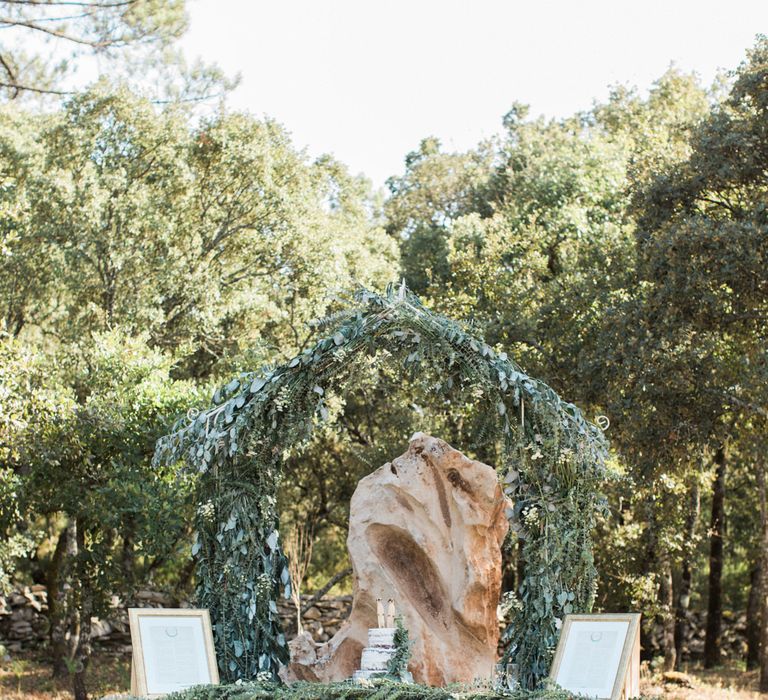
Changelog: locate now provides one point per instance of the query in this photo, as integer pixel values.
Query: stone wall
(24, 622)
(322, 620)
(24, 625)
(22, 618)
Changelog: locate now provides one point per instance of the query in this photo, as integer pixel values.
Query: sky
(366, 80)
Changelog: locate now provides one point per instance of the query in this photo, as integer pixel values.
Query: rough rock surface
(425, 530)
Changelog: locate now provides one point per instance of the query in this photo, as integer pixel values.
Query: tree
(763, 612)
(207, 242)
(434, 191)
(19, 408)
(23, 280)
(104, 27)
(211, 238)
(298, 549)
(703, 247)
(86, 467)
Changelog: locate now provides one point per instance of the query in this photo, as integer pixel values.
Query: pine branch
(28, 88)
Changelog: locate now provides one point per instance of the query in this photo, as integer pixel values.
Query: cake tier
(358, 676)
(375, 658)
(381, 636)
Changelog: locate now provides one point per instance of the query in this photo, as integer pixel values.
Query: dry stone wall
(24, 621)
(24, 624)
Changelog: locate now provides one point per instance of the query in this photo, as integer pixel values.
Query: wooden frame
(626, 683)
(145, 669)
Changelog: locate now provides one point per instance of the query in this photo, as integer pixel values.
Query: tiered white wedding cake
(376, 656)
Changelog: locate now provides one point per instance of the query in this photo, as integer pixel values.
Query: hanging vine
(552, 465)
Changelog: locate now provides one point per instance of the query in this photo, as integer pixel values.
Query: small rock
(676, 678)
(100, 628)
(34, 602)
(303, 657)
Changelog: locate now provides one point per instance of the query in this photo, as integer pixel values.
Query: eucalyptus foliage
(379, 689)
(553, 461)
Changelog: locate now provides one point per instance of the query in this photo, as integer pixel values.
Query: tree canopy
(149, 253)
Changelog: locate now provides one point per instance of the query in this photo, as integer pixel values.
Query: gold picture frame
(617, 655)
(189, 655)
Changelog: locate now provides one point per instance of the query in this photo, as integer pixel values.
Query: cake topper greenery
(552, 463)
(397, 668)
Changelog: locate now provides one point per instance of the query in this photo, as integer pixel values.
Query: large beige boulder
(425, 530)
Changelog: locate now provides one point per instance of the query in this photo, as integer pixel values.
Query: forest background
(155, 242)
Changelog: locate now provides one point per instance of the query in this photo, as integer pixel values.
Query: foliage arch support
(553, 461)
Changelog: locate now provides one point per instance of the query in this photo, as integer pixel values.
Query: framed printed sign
(599, 656)
(172, 650)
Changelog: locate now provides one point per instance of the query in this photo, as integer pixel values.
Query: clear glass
(513, 676)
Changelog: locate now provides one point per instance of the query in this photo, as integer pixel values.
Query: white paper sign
(591, 657)
(174, 653)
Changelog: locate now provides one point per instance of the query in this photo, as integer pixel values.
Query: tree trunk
(681, 612)
(763, 579)
(62, 634)
(686, 577)
(754, 616)
(128, 556)
(340, 576)
(717, 524)
(666, 598)
(185, 576)
(508, 577)
(83, 649)
(648, 567)
(56, 606)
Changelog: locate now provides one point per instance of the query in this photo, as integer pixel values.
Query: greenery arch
(553, 463)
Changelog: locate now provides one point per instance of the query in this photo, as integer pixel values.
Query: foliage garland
(377, 689)
(552, 464)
